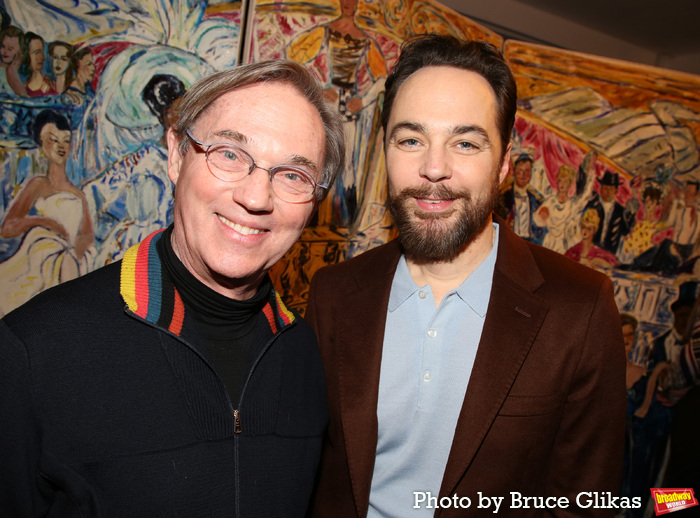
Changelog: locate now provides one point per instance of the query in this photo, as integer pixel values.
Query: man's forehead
(459, 98)
(434, 80)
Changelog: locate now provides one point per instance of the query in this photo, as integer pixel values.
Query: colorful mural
(86, 94)
(636, 219)
(605, 166)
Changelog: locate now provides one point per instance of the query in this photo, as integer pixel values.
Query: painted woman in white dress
(52, 215)
(560, 212)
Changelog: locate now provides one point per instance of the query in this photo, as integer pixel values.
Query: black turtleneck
(226, 325)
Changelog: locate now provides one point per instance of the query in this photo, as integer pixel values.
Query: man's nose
(254, 192)
(436, 165)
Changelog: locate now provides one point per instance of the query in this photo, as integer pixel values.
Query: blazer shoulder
(557, 268)
(367, 264)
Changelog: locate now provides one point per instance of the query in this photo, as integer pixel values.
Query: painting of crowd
(655, 231)
(37, 75)
(83, 162)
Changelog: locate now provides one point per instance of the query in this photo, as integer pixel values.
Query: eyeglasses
(230, 163)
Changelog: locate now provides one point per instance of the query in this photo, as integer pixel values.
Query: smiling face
(228, 234)
(9, 49)
(55, 144)
(443, 155)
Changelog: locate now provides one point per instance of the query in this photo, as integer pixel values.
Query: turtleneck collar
(205, 305)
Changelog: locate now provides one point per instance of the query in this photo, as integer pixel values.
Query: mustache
(439, 191)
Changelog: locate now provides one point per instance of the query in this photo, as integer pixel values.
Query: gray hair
(208, 89)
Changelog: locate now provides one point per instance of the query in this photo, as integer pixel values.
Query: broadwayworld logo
(670, 500)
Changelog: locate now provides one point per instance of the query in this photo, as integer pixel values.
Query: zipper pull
(237, 416)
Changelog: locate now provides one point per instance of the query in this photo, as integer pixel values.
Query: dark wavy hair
(434, 50)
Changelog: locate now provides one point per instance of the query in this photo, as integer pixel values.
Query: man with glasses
(176, 382)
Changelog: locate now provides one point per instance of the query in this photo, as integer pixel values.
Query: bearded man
(462, 361)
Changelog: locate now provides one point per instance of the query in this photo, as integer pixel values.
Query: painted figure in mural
(685, 222)
(684, 459)
(643, 236)
(649, 414)
(37, 83)
(132, 198)
(177, 376)
(677, 249)
(519, 201)
(11, 52)
(405, 327)
(356, 68)
(79, 77)
(61, 54)
(52, 215)
(585, 251)
(559, 212)
(634, 372)
(616, 222)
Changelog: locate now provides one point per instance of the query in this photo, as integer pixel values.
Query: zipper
(237, 411)
(237, 417)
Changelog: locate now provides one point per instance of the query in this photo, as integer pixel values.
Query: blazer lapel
(359, 364)
(502, 350)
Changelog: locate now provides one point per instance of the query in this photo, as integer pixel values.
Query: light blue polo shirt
(427, 360)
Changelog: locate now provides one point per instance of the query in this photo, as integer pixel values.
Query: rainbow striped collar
(150, 294)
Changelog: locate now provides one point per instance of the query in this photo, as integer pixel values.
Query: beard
(437, 237)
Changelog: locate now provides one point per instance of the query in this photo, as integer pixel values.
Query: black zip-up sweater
(115, 411)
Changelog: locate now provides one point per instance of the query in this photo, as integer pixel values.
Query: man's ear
(174, 158)
(505, 165)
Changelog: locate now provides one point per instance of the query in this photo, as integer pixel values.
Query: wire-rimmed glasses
(230, 163)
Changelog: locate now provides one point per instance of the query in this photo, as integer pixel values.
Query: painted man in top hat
(615, 221)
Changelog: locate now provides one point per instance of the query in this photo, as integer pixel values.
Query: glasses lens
(292, 184)
(229, 163)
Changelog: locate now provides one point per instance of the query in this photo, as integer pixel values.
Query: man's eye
(467, 146)
(230, 155)
(408, 142)
(291, 176)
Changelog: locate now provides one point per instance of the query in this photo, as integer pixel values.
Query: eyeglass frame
(254, 165)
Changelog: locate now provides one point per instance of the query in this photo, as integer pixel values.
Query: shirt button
(432, 333)
(426, 376)
(422, 294)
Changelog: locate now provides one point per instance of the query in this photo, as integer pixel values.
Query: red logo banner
(668, 500)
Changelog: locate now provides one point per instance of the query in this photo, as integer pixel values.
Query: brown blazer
(544, 411)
